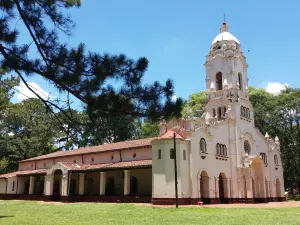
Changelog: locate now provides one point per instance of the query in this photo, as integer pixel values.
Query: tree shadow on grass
(5, 216)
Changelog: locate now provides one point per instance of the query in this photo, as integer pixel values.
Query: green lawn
(24, 212)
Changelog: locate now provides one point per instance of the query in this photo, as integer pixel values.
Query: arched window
(184, 155)
(219, 112)
(219, 85)
(240, 81)
(218, 149)
(225, 150)
(202, 145)
(247, 147)
(242, 111)
(159, 154)
(172, 153)
(214, 112)
(248, 113)
(276, 160)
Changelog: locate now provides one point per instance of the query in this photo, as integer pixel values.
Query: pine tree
(76, 71)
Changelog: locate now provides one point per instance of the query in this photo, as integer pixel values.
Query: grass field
(23, 213)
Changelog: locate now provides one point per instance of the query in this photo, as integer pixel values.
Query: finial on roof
(267, 135)
(224, 27)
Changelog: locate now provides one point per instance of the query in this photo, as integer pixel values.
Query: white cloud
(174, 98)
(25, 93)
(276, 87)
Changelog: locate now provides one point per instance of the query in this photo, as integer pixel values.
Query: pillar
(31, 185)
(64, 185)
(212, 188)
(48, 187)
(81, 183)
(102, 183)
(249, 187)
(217, 194)
(127, 182)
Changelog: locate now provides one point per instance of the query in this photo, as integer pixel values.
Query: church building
(221, 157)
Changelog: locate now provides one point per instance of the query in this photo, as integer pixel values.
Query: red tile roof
(115, 165)
(180, 134)
(23, 172)
(124, 145)
(84, 167)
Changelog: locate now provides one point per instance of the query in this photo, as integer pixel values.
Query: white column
(31, 185)
(127, 182)
(212, 189)
(81, 184)
(64, 185)
(217, 194)
(102, 183)
(48, 187)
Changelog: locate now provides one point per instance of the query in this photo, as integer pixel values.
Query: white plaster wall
(10, 185)
(141, 154)
(2, 186)
(163, 176)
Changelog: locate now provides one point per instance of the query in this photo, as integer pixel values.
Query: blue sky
(176, 35)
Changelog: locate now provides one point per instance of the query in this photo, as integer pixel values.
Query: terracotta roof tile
(129, 164)
(180, 134)
(23, 172)
(146, 142)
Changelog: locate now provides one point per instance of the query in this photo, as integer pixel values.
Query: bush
(297, 198)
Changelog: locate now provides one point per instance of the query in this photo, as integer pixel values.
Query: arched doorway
(72, 187)
(258, 178)
(133, 185)
(110, 186)
(57, 182)
(26, 187)
(204, 185)
(267, 188)
(222, 187)
(278, 188)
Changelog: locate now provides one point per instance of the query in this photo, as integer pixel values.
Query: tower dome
(225, 35)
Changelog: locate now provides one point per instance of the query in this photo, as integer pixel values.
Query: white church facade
(221, 157)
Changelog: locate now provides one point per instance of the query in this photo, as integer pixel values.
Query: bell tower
(226, 77)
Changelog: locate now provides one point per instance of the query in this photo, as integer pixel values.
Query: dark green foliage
(86, 75)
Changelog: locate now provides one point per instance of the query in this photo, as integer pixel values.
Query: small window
(13, 186)
(247, 147)
(184, 155)
(202, 145)
(92, 159)
(45, 164)
(218, 149)
(112, 157)
(276, 160)
(159, 154)
(74, 161)
(134, 155)
(240, 81)
(172, 153)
